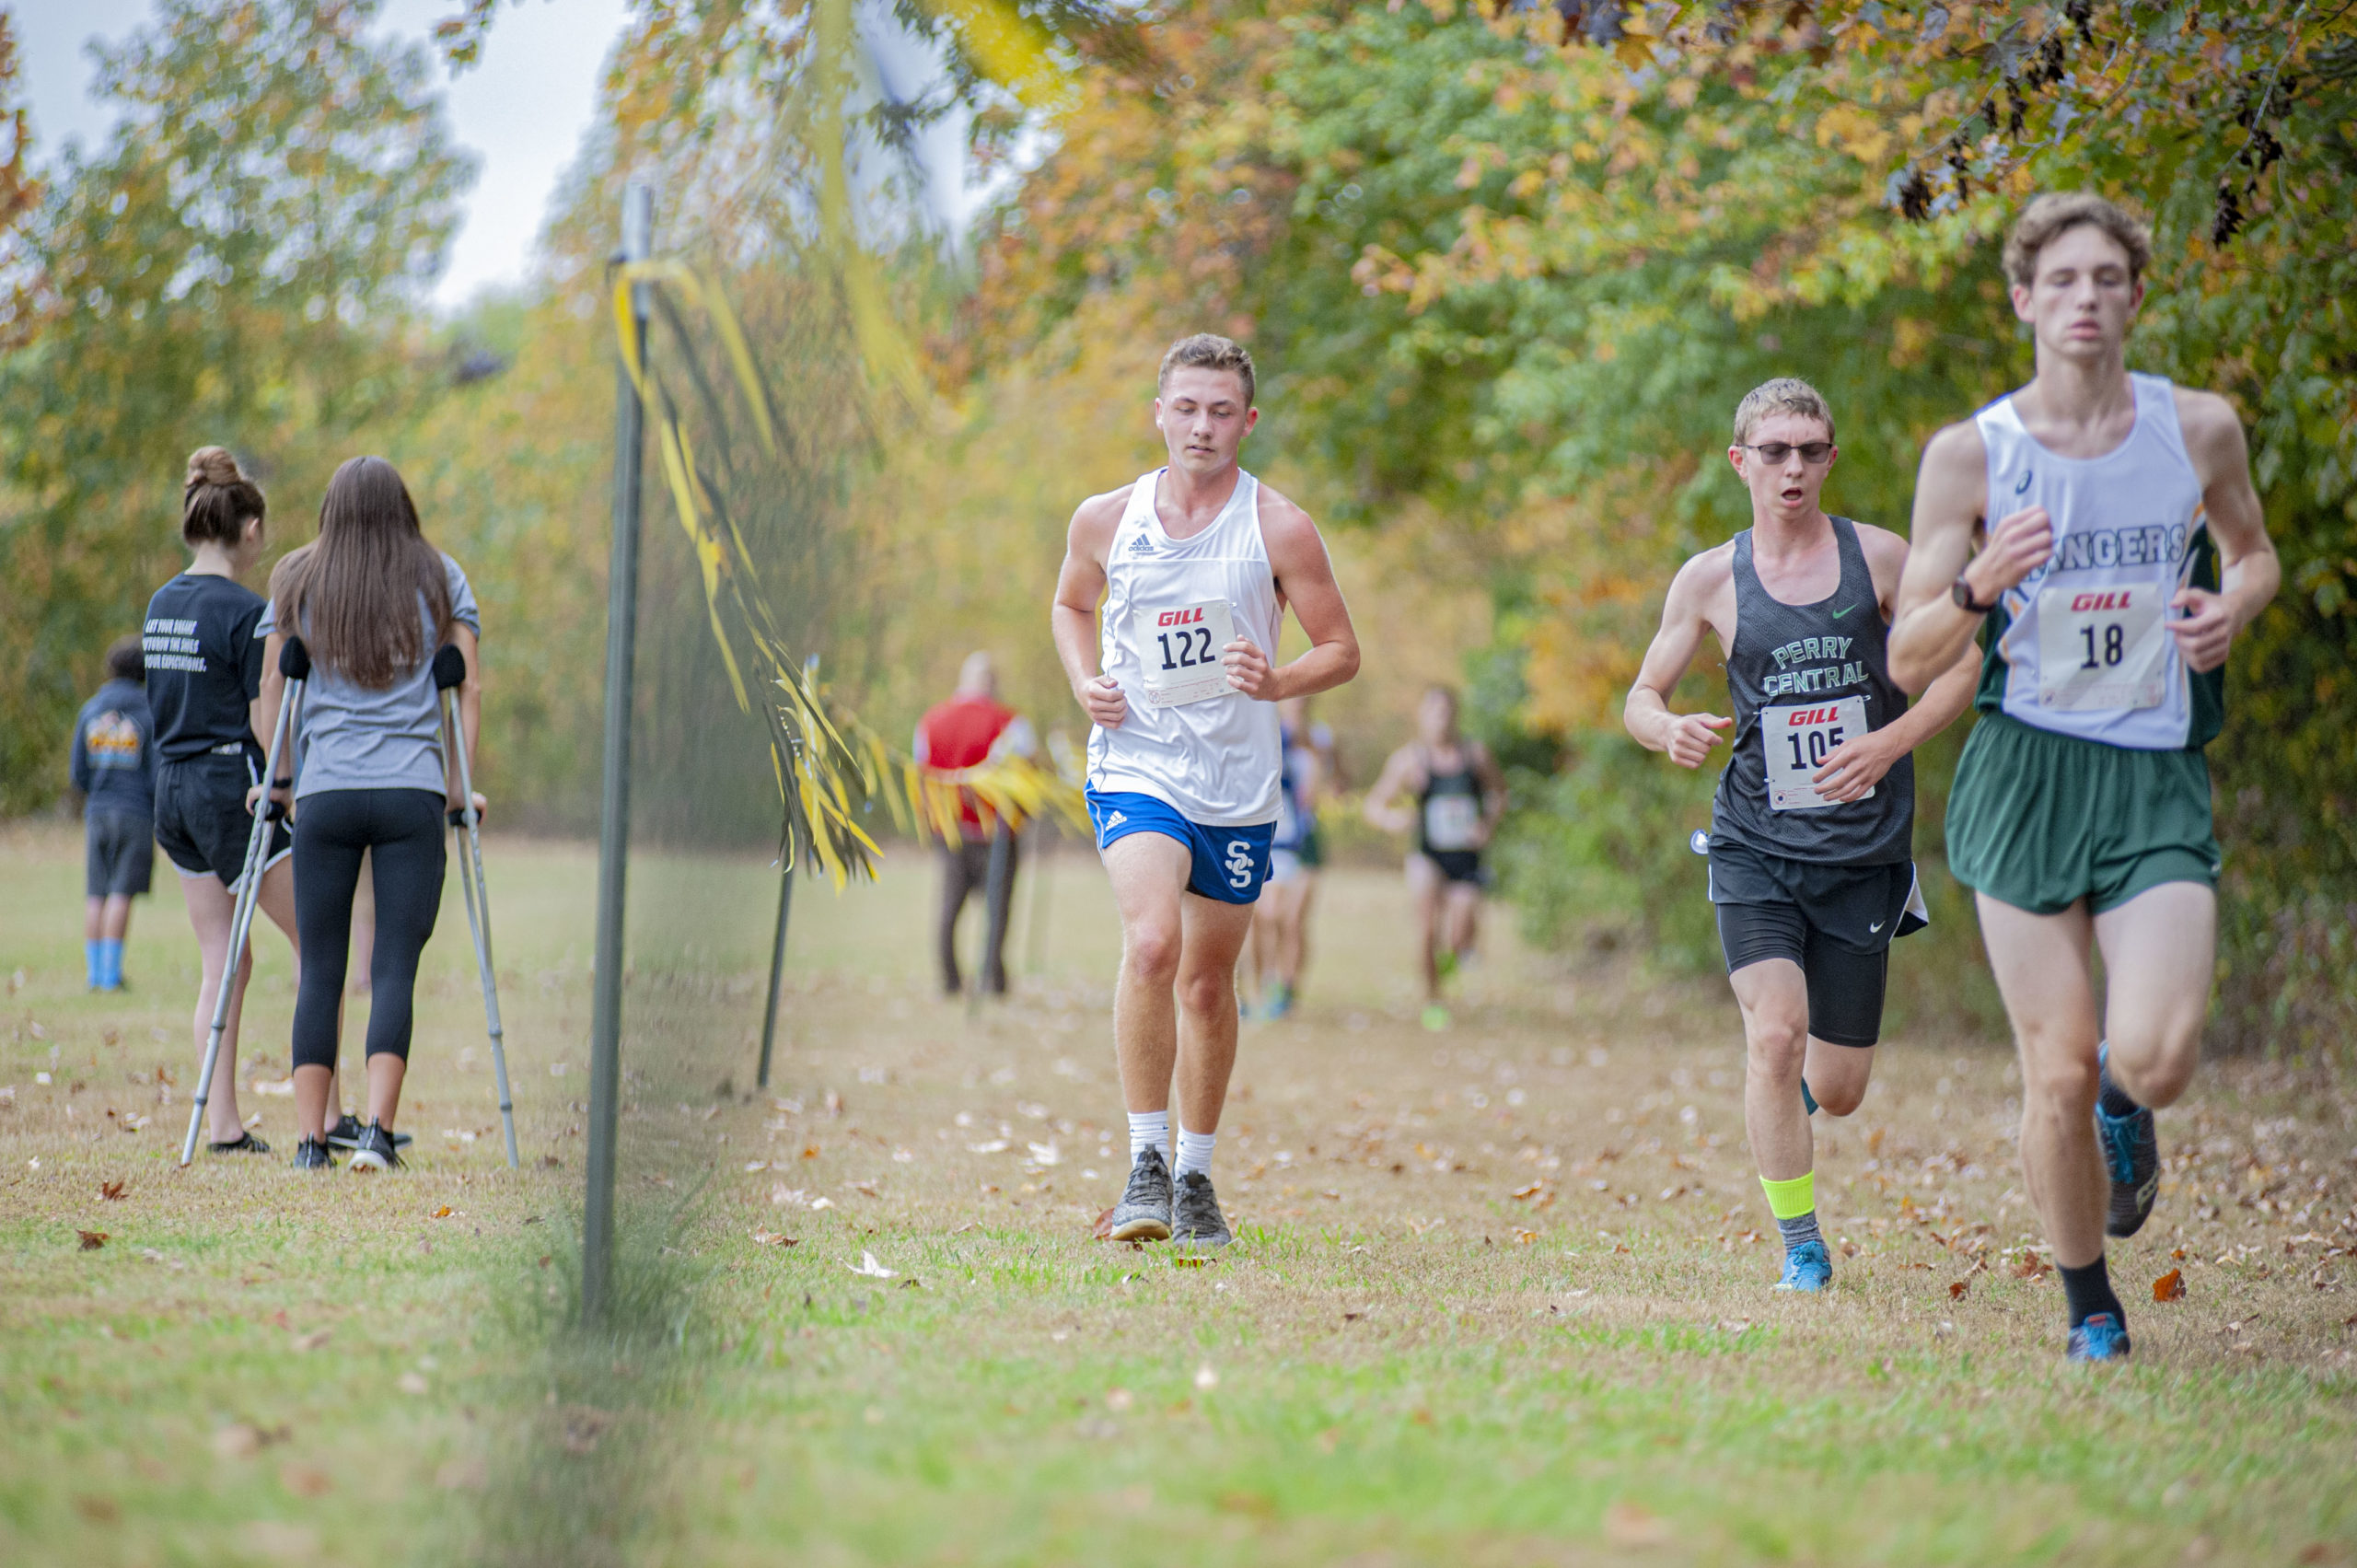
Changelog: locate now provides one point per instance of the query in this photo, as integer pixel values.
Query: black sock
(2089, 1292)
(2115, 1104)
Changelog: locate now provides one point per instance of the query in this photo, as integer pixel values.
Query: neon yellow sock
(1791, 1199)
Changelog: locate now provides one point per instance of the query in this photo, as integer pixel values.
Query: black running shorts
(201, 817)
(1835, 922)
(1463, 866)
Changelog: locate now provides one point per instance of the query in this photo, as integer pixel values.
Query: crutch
(466, 830)
(295, 663)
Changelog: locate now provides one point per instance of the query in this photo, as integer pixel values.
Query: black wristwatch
(1961, 591)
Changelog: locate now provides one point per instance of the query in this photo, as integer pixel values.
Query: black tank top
(1793, 674)
(1450, 828)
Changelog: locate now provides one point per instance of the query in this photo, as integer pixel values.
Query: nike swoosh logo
(1875, 927)
(1843, 610)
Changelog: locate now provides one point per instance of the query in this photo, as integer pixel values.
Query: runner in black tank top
(1460, 794)
(1810, 831)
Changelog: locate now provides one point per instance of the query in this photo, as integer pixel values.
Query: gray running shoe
(1196, 1221)
(1143, 1212)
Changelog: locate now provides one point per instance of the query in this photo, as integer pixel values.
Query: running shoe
(312, 1154)
(1279, 1003)
(1808, 1269)
(1143, 1212)
(1436, 1016)
(375, 1150)
(2101, 1338)
(2131, 1156)
(243, 1143)
(1195, 1219)
(345, 1134)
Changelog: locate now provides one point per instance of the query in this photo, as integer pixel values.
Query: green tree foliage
(1512, 271)
(238, 264)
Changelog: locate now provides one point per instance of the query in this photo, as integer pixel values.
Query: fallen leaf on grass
(1103, 1229)
(1626, 1524)
(1259, 1505)
(2031, 1266)
(92, 1240)
(756, 1165)
(443, 1213)
(2170, 1286)
(810, 1151)
(304, 1481)
(239, 1440)
(583, 1427)
(822, 1204)
(97, 1510)
(276, 1087)
(310, 1341)
(1206, 1379)
(411, 1383)
(1119, 1399)
(463, 1475)
(1525, 1238)
(112, 1191)
(875, 1271)
(774, 1238)
(1956, 1289)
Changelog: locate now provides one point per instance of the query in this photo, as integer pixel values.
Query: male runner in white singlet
(2105, 505)
(1195, 564)
(1812, 831)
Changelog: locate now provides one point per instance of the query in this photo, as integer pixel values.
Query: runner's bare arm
(1304, 576)
(1080, 585)
(1687, 738)
(263, 713)
(1931, 630)
(2250, 572)
(1856, 766)
(1493, 779)
(1403, 773)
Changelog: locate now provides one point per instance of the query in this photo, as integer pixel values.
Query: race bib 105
(2103, 648)
(1799, 739)
(1180, 647)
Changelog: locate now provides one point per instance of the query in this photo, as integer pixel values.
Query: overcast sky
(521, 109)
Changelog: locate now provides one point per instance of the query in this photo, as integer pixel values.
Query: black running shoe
(2132, 1157)
(375, 1150)
(1143, 1212)
(243, 1143)
(1195, 1219)
(312, 1154)
(345, 1134)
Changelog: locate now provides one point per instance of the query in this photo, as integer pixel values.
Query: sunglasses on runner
(1773, 452)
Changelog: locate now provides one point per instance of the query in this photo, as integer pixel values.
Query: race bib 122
(1180, 647)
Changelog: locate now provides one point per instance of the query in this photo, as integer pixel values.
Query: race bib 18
(1179, 647)
(1799, 739)
(2103, 648)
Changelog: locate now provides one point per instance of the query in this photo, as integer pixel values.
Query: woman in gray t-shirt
(372, 600)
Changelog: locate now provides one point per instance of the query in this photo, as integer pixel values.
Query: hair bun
(212, 465)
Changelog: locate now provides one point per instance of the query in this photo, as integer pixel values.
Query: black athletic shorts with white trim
(1835, 922)
(201, 823)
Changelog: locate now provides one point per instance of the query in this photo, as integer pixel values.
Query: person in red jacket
(972, 728)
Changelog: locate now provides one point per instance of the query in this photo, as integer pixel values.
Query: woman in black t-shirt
(203, 672)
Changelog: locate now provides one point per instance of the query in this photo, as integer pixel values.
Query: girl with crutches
(204, 664)
(371, 600)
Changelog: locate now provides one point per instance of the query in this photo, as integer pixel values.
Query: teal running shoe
(2132, 1157)
(1808, 1269)
(2101, 1338)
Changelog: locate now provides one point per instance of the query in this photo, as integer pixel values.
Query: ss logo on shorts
(1239, 864)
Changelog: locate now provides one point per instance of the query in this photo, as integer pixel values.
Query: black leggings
(403, 829)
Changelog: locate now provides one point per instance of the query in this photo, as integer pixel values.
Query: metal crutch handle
(295, 663)
(450, 674)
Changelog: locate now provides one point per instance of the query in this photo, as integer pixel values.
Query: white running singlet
(1190, 739)
(2086, 644)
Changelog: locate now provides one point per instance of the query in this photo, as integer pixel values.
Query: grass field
(1500, 1295)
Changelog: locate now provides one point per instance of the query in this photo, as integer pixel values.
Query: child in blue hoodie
(114, 767)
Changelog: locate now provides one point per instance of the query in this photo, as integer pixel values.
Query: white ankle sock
(1148, 1129)
(1195, 1152)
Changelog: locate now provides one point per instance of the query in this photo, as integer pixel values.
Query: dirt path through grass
(1500, 1295)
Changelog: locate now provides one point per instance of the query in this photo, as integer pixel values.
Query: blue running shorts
(1230, 863)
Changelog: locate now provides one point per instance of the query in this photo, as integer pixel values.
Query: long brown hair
(353, 591)
(217, 500)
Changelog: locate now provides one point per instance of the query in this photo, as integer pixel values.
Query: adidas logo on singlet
(1141, 545)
